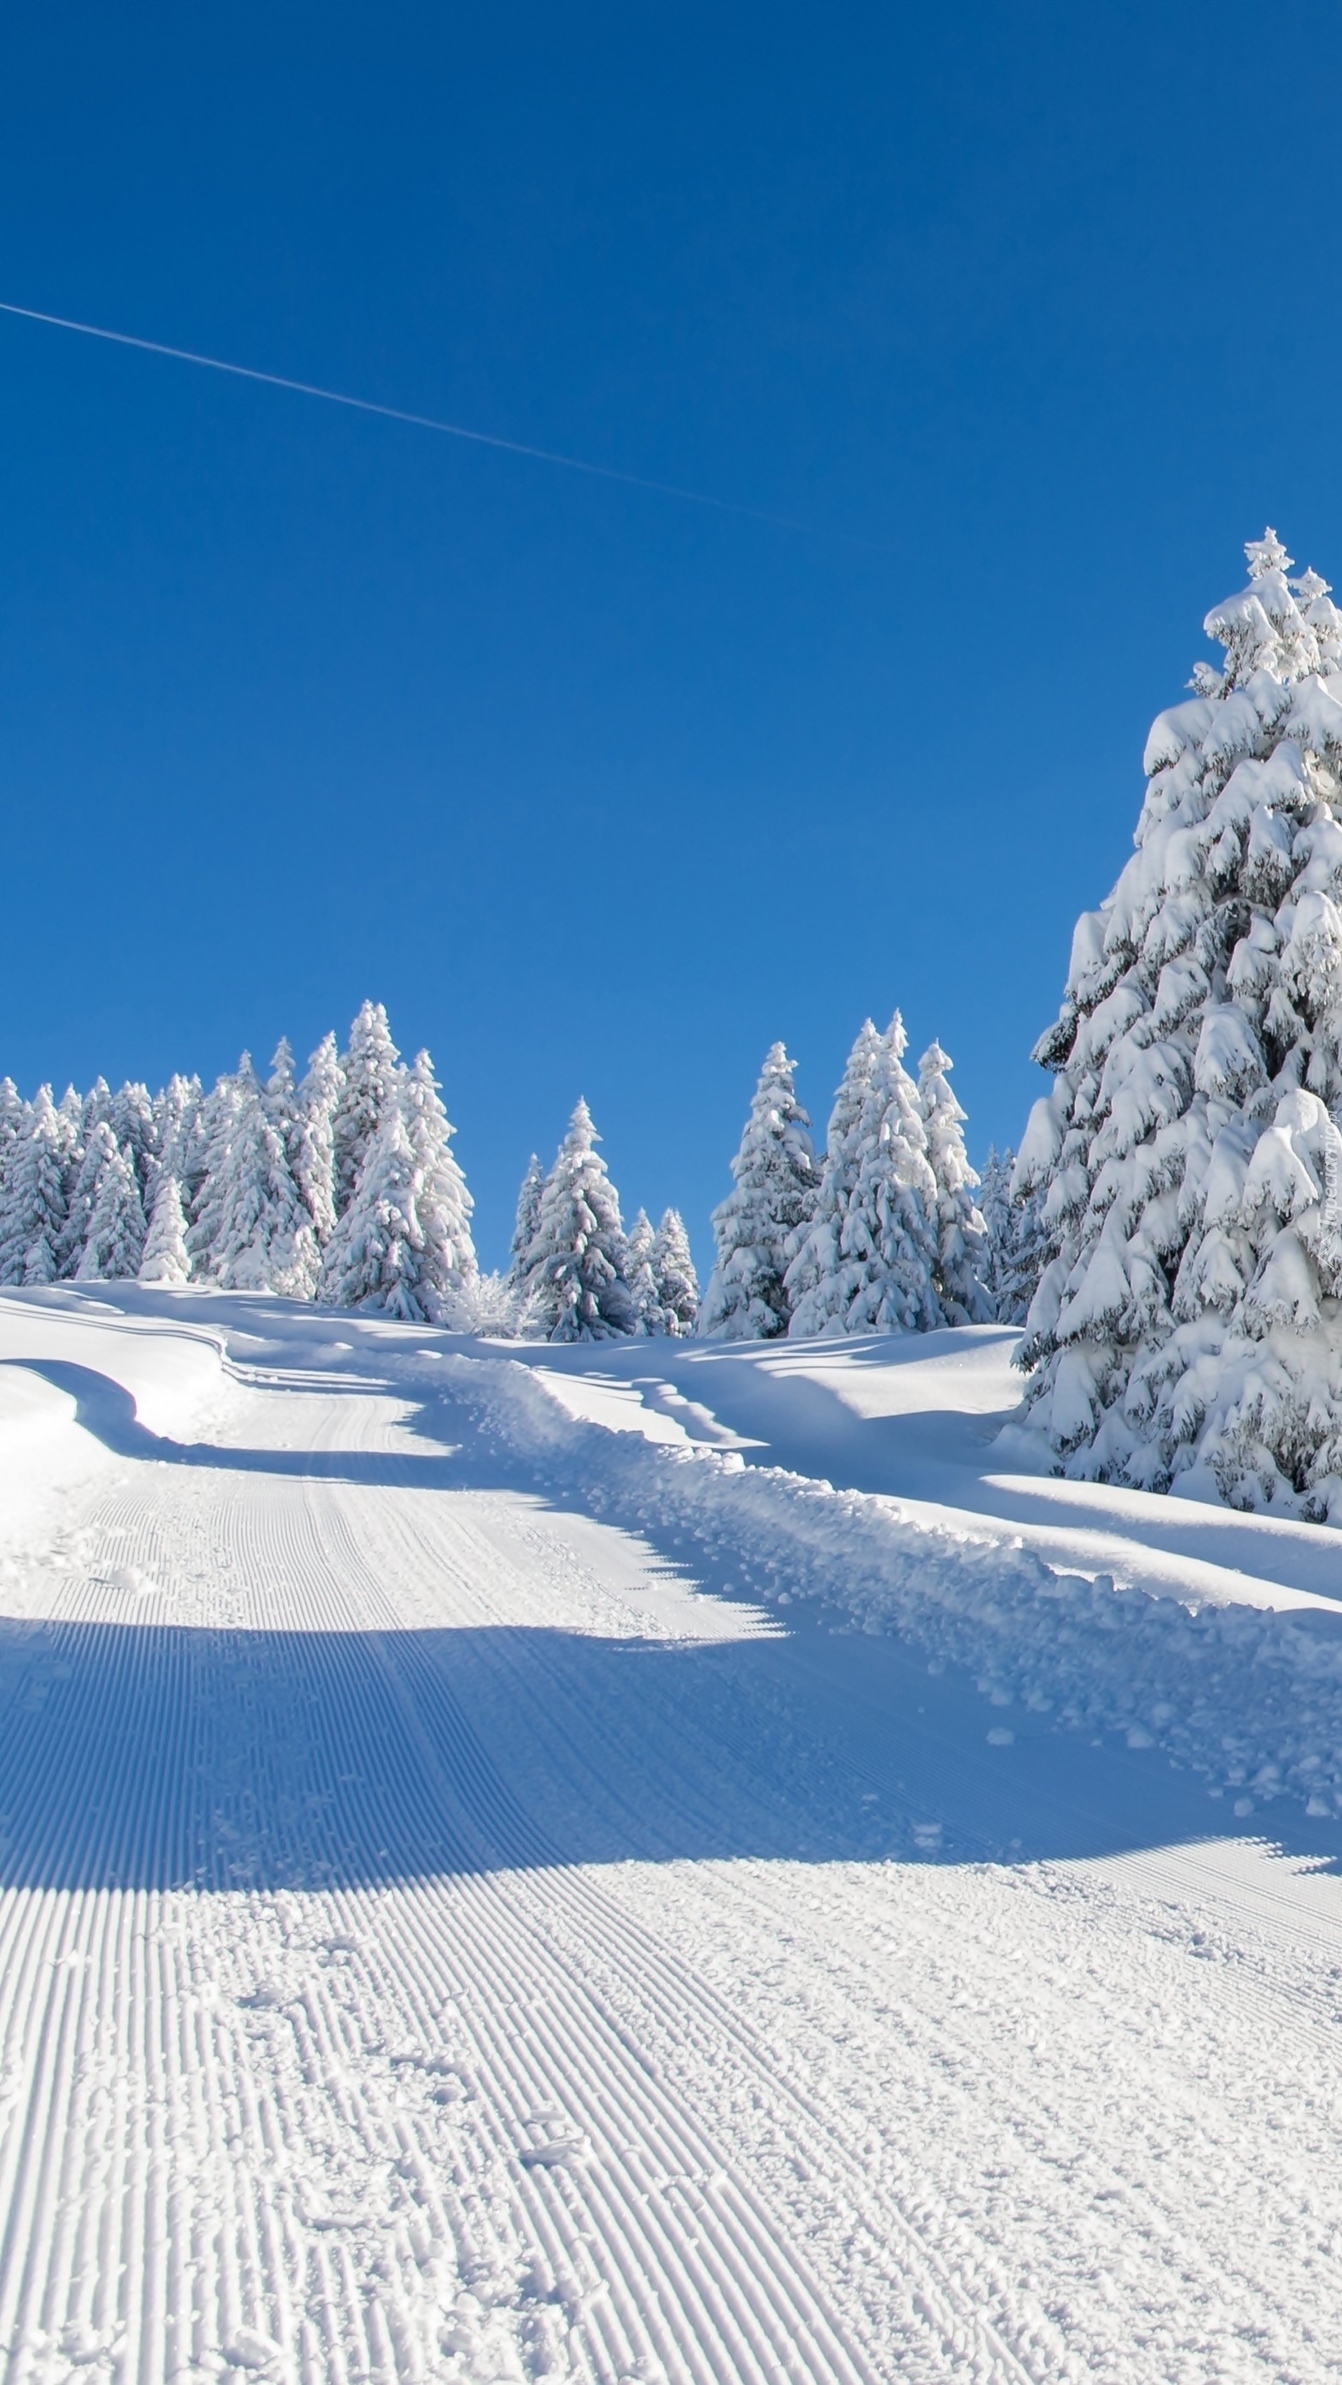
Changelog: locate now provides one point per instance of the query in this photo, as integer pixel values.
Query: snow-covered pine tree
(165, 1259)
(372, 1260)
(70, 1135)
(95, 1108)
(579, 1254)
(815, 1279)
(281, 1090)
(403, 1246)
(962, 1237)
(131, 1118)
(207, 1172)
(99, 1152)
(889, 1237)
(368, 1092)
(673, 1273)
(32, 1209)
(312, 1155)
(14, 1116)
(1189, 1313)
(175, 1111)
(776, 1183)
(115, 1242)
(261, 1234)
(442, 1203)
(527, 1219)
(639, 1276)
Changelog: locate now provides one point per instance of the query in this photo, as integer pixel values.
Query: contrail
(452, 430)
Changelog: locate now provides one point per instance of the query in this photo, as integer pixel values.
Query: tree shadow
(148, 1754)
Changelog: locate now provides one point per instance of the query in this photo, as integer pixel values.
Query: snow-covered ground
(675, 1861)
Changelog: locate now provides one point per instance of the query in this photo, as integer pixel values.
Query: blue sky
(601, 792)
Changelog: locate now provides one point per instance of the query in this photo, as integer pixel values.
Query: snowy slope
(474, 1906)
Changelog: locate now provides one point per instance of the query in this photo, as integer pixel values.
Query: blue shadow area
(153, 1755)
(145, 1755)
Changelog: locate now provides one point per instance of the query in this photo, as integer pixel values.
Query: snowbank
(1249, 1696)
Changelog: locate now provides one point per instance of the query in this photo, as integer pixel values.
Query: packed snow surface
(655, 1861)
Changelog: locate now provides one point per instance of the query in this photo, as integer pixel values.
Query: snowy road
(444, 1935)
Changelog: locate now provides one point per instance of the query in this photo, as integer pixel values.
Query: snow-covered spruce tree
(403, 1246)
(32, 1211)
(99, 1152)
(369, 1069)
(638, 1274)
(95, 1108)
(131, 1118)
(261, 1234)
(1191, 1310)
(576, 1279)
(312, 1150)
(373, 1259)
(888, 1243)
(165, 1259)
(815, 1276)
(115, 1241)
(673, 1273)
(527, 1219)
(962, 1237)
(776, 1183)
(14, 1116)
(208, 1153)
(442, 1203)
(175, 1111)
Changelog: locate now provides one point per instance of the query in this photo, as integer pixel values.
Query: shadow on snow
(150, 1754)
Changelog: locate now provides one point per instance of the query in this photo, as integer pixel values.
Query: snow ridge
(1249, 1697)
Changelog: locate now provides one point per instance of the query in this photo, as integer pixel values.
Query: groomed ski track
(445, 1936)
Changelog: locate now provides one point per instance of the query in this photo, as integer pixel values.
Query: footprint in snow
(560, 2153)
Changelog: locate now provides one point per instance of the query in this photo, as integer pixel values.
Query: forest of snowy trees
(340, 1186)
(1170, 1236)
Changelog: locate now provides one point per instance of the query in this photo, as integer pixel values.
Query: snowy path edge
(1251, 1697)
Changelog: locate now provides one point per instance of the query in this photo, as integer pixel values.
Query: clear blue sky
(598, 791)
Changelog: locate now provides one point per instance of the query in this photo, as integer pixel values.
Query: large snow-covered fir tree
(888, 1245)
(575, 1280)
(962, 1237)
(755, 1228)
(1191, 1310)
(33, 1206)
(674, 1276)
(816, 1271)
(115, 1241)
(165, 1258)
(367, 1095)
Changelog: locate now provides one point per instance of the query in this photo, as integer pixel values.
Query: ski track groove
(226, 2152)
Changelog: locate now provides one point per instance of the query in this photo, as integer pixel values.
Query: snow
(529, 1861)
